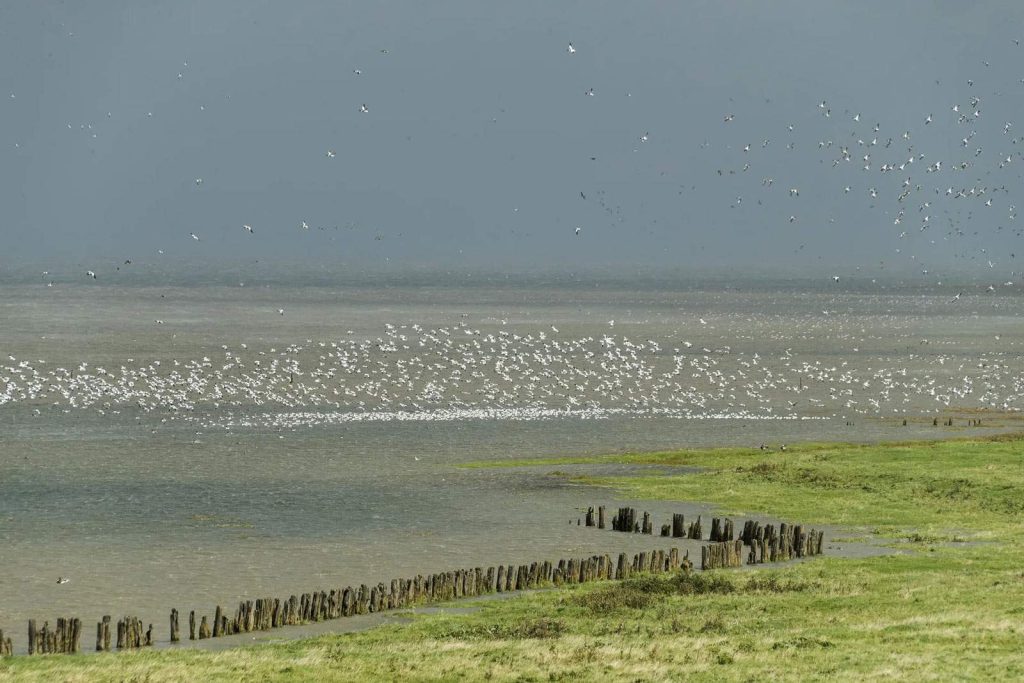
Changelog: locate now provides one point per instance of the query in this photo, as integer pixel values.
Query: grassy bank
(950, 605)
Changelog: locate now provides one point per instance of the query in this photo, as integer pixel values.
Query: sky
(127, 127)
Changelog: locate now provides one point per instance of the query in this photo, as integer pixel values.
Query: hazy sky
(481, 144)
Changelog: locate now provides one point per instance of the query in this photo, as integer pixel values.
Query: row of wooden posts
(766, 544)
(266, 613)
(948, 422)
(627, 520)
(130, 634)
(62, 639)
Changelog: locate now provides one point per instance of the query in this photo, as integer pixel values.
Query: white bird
(280, 311)
(247, 228)
(194, 236)
(62, 580)
(305, 225)
(91, 274)
(578, 229)
(363, 108)
(199, 181)
(571, 50)
(835, 278)
(330, 154)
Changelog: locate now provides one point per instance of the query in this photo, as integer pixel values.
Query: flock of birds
(461, 372)
(947, 180)
(931, 192)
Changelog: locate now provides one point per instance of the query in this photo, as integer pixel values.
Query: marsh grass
(940, 609)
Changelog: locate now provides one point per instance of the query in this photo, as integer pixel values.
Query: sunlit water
(323, 452)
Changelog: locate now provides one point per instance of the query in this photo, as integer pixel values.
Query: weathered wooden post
(695, 531)
(678, 530)
(600, 517)
(590, 516)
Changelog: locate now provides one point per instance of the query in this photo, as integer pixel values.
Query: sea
(193, 441)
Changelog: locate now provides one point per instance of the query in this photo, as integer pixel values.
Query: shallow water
(291, 488)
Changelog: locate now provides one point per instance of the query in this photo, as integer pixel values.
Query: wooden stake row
(130, 634)
(626, 520)
(766, 545)
(268, 613)
(63, 639)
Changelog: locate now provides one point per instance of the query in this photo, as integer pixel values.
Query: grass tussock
(643, 591)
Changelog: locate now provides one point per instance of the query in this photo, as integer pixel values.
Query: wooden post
(31, 636)
(76, 635)
(600, 517)
(695, 532)
(678, 530)
(204, 629)
(175, 635)
(590, 516)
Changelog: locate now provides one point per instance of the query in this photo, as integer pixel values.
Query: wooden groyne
(763, 543)
(64, 638)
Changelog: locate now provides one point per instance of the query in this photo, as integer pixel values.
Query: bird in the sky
(571, 50)
(363, 108)
(194, 236)
(578, 229)
(330, 154)
(247, 228)
(91, 274)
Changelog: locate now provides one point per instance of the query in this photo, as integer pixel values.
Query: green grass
(937, 610)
